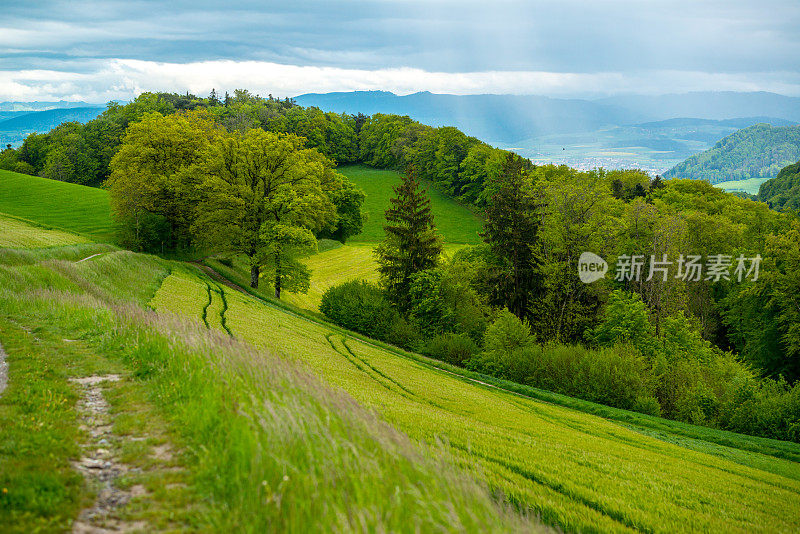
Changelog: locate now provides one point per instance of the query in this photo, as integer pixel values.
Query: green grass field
(748, 186)
(455, 222)
(71, 207)
(576, 470)
(260, 444)
(15, 233)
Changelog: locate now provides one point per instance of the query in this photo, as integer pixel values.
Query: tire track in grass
(222, 318)
(204, 314)
(371, 371)
(557, 487)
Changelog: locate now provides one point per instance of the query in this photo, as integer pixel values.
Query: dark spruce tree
(411, 244)
(511, 230)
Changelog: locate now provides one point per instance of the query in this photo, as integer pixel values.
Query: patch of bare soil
(99, 465)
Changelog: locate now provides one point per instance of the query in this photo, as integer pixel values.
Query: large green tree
(264, 197)
(411, 244)
(149, 171)
(511, 231)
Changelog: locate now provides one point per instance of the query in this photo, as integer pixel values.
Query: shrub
(647, 405)
(455, 349)
(361, 306)
(401, 333)
(625, 321)
(616, 376)
(507, 333)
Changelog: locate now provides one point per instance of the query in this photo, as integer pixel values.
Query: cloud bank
(97, 50)
(122, 79)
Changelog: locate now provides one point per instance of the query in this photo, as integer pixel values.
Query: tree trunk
(278, 278)
(254, 276)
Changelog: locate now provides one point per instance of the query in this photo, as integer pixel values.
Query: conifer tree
(411, 244)
(511, 231)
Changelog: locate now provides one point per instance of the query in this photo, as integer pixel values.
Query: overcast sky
(98, 51)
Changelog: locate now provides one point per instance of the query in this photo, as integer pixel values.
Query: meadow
(260, 443)
(455, 222)
(71, 207)
(572, 469)
(15, 233)
(749, 186)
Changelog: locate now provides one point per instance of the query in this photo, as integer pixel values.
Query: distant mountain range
(653, 133)
(15, 126)
(512, 118)
(493, 118)
(42, 106)
(757, 152)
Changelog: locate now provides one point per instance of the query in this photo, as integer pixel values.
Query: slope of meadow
(454, 222)
(575, 470)
(214, 434)
(71, 207)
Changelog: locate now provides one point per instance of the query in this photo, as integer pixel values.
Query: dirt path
(3, 370)
(98, 464)
(218, 277)
(90, 257)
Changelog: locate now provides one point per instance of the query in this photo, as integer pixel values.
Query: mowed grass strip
(72, 207)
(455, 222)
(184, 293)
(575, 470)
(17, 234)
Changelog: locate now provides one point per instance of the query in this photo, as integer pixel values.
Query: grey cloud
(734, 37)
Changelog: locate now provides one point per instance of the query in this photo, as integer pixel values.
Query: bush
(647, 405)
(360, 306)
(615, 376)
(401, 333)
(625, 321)
(455, 349)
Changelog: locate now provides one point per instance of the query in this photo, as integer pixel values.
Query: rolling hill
(84, 210)
(757, 152)
(783, 191)
(260, 403)
(14, 129)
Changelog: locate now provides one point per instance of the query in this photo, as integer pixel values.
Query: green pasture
(454, 221)
(72, 207)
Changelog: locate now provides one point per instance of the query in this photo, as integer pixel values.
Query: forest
(241, 175)
(783, 191)
(759, 151)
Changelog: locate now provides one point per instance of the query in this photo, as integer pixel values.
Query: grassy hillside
(759, 151)
(576, 470)
(455, 222)
(212, 434)
(15, 233)
(72, 207)
(290, 439)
